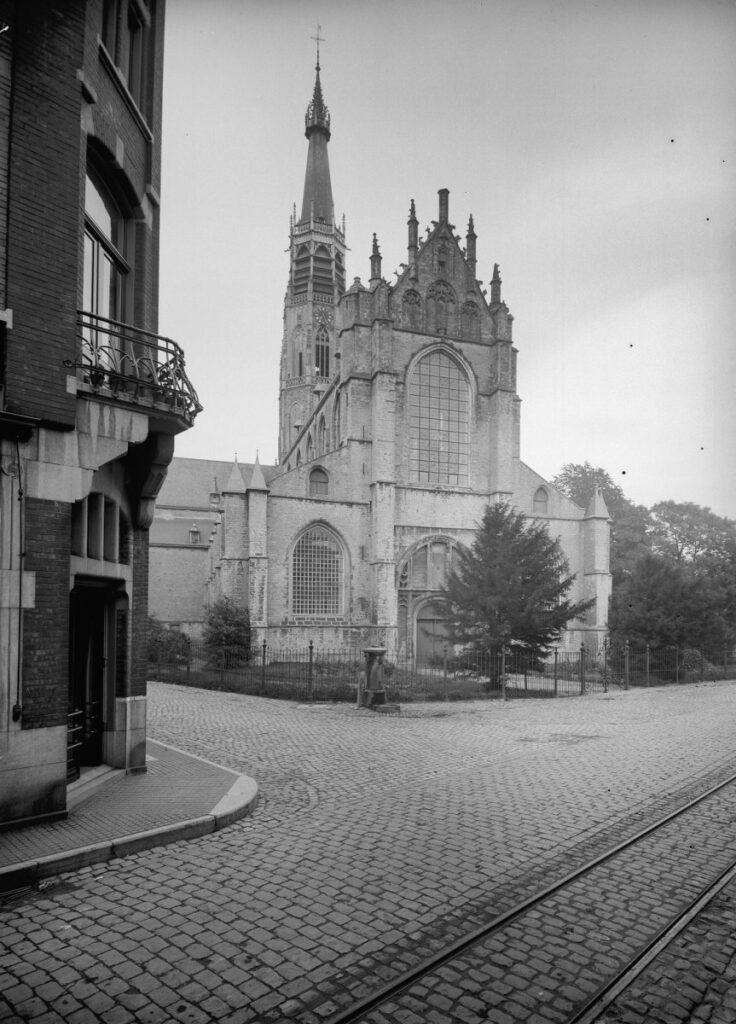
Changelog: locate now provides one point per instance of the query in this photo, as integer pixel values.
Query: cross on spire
(318, 39)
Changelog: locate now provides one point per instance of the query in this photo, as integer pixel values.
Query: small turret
(495, 286)
(470, 245)
(413, 224)
(444, 194)
(375, 263)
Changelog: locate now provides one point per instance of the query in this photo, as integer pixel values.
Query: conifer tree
(511, 586)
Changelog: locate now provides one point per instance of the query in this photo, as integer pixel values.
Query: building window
(428, 567)
(322, 264)
(439, 413)
(541, 500)
(322, 353)
(195, 536)
(318, 483)
(317, 574)
(125, 32)
(105, 242)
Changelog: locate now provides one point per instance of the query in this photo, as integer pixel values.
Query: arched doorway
(431, 633)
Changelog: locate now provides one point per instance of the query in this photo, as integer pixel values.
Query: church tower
(316, 282)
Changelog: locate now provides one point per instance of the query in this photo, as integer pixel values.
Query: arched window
(428, 566)
(317, 574)
(296, 415)
(411, 306)
(441, 305)
(439, 415)
(470, 320)
(318, 483)
(336, 425)
(321, 436)
(310, 447)
(541, 501)
(322, 273)
(322, 353)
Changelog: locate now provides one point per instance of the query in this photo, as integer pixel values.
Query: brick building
(92, 397)
(399, 423)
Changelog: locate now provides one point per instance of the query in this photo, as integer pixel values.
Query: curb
(239, 802)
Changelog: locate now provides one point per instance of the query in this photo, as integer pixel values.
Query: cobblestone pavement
(693, 981)
(376, 838)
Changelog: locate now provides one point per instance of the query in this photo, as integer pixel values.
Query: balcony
(122, 363)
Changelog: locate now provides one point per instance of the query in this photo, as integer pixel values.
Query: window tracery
(439, 415)
(317, 573)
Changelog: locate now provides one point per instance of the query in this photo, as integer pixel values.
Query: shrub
(227, 632)
(167, 646)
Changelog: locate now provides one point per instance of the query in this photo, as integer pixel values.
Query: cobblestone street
(375, 838)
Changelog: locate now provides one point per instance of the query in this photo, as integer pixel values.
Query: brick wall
(139, 615)
(46, 627)
(43, 222)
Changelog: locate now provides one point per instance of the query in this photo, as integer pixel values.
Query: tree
(511, 586)
(664, 603)
(631, 524)
(227, 631)
(690, 533)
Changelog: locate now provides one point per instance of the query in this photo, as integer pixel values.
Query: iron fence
(316, 674)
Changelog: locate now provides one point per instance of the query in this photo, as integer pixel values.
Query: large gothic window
(322, 353)
(317, 575)
(439, 414)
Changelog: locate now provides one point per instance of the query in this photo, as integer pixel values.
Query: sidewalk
(180, 796)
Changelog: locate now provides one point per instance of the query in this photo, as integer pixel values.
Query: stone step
(387, 709)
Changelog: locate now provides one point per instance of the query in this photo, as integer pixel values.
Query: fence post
(605, 666)
(556, 656)
(582, 669)
(444, 668)
(725, 661)
(646, 662)
(627, 651)
(221, 659)
(263, 667)
(702, 666)
(310, 679)
(503, 672)
(677, 665)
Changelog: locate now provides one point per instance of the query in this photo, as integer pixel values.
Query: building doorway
(432, 633)
(90, 661)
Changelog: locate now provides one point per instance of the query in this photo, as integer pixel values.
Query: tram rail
(368, 1010)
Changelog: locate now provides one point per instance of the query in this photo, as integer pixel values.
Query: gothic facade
(398, 424)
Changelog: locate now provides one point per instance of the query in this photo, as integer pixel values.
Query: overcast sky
(594, 143)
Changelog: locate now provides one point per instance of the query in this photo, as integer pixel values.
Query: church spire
(317, 203)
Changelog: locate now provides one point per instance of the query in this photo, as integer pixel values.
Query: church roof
(190, 482)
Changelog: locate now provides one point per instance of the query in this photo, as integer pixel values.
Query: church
(399, 422)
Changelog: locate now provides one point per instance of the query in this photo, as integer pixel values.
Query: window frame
(438, 456)
(303, 605)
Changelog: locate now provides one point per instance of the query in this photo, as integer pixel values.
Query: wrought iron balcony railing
(133, 365)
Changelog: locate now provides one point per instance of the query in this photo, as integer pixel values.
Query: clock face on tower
(323, 317)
